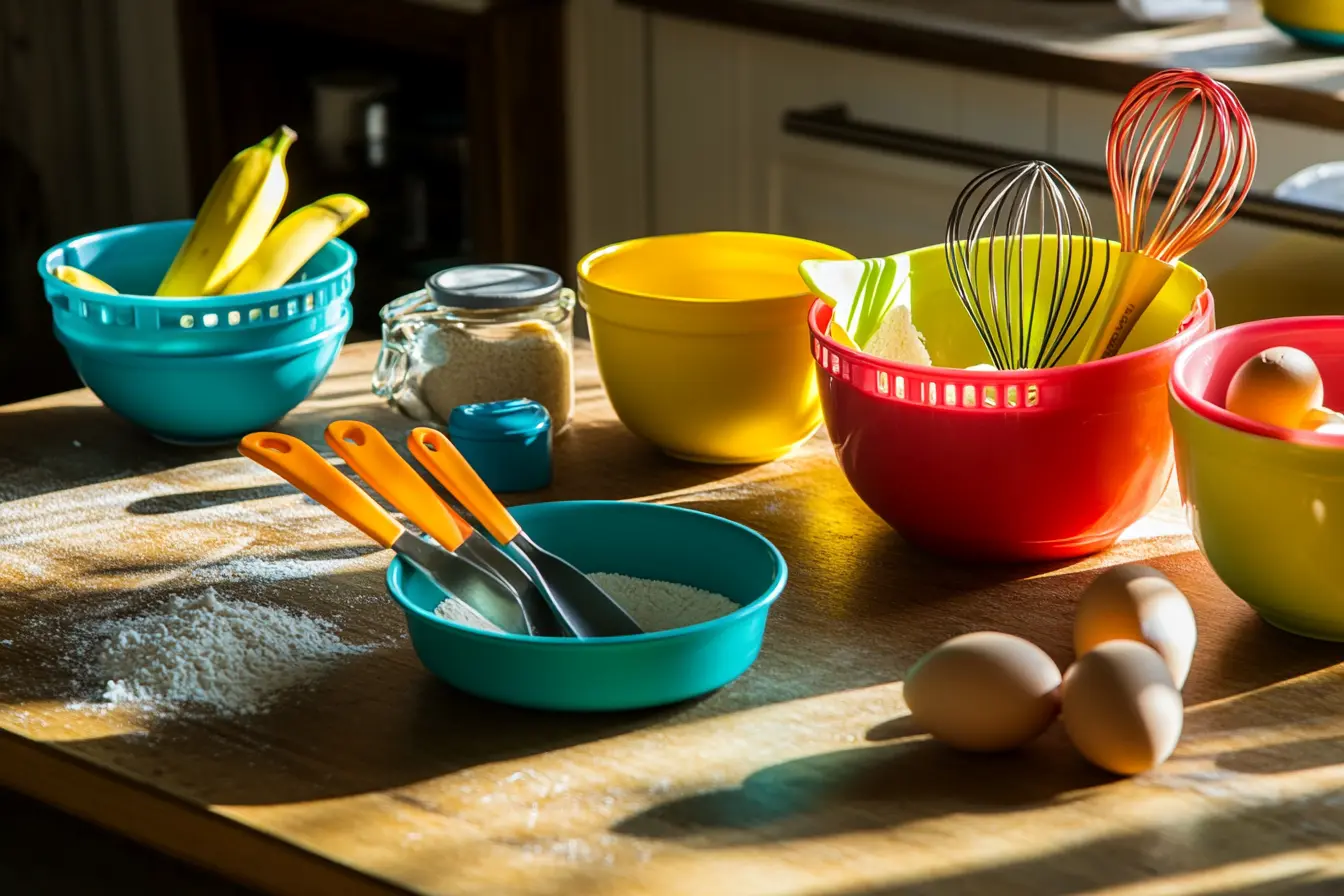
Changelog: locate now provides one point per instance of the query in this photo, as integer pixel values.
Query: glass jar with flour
(475, 334)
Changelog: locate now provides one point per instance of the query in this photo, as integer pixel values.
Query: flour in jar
(530, 360)
(656, 605)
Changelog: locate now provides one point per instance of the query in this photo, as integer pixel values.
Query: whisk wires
(1214, 179)
(1020, 252)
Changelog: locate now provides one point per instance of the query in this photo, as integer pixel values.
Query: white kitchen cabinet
(701, 146)
(722, 160)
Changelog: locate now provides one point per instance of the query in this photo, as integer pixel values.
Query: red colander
(1006, 465)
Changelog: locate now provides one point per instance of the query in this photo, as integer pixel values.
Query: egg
(984, 692)
(1120, 707)
(1279, 386)
(1133, 602)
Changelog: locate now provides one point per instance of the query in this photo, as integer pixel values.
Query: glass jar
(475, 334)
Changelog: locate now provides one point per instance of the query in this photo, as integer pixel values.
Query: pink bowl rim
(1206, 409)
(1200, 308)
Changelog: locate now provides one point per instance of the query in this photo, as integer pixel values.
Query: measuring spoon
(582, 607)
(297, 463)
(371, 455)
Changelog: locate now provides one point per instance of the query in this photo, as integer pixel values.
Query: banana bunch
(234, 245)
(295, 240)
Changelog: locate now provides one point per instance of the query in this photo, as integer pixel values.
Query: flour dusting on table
(233, 656)
(656, 606)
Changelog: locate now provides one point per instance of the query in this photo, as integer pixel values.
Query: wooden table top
(803, 777)
(1080, 44)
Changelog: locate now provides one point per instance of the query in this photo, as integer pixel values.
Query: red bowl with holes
(1006, 465)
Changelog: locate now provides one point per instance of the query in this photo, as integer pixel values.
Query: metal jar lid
(493, 286)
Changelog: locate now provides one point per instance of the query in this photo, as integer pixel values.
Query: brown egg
(984, 692)
(1133, 602)
(1278, 386)
(1120, 707)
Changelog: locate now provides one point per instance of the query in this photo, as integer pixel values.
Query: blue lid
(498, 419)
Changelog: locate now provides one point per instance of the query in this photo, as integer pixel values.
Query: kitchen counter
(1092, 45)
(805, 776)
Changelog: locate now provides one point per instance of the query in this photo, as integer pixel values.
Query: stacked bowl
(1007, 465)
(202, 370)
(1266, 505)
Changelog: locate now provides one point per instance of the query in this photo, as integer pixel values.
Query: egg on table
(984, 691)
(1133, 602)
(1278, 386)
(1120, 707)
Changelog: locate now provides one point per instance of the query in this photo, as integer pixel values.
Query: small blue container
(134, 259)
(206, 399)
(507, 442)
(649, 541)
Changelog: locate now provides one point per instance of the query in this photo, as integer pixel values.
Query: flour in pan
(656, 606)
(232, 656)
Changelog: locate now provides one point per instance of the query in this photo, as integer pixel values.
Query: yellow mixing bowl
(1313, 23)
(1318, 15)
(1268, 513)
(702, 341)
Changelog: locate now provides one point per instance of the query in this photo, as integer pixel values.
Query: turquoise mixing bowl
(134, 259)
(206, 399)
(648, 541)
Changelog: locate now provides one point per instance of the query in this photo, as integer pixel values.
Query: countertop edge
(913, 41)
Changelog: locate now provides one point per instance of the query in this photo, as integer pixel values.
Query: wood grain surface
(1091, 45)
(803, 777)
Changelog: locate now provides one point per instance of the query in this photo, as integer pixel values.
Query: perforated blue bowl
(134, 259)
(206, 399)
(647, 541)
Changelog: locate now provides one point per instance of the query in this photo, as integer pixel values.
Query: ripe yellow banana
(294, 240)
(241, 207)
(82, 279)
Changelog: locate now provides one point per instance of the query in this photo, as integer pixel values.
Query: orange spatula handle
(446, 464)
(372, 456)
(304, 468)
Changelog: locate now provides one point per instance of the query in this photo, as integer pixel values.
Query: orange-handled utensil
(371, 455)
(296, 462)
(581, 606)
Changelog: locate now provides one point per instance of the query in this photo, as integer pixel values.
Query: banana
(82, 279)
(241, 207)
(295, 240)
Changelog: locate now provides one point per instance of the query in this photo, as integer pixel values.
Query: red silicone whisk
(1211, 185)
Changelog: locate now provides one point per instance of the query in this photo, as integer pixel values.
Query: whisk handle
(1137, 280)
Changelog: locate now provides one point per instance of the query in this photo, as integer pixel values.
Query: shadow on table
(869, 788)
(46, 450)
(370, 721)
(1240, 842)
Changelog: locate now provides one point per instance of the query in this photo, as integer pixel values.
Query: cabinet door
(863, 200)
(720, 159)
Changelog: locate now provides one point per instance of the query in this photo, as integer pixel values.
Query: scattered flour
(263, 569)
(656, 606)
(233, 656)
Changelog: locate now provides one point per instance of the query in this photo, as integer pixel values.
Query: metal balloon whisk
(1021, 255)
(1156, 119)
